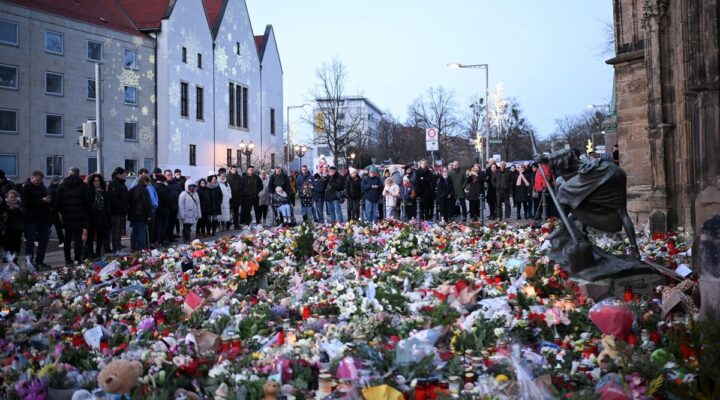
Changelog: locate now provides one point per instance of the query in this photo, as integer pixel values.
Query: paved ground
(55, 256)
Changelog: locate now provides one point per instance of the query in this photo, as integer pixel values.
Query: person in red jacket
(539, 186)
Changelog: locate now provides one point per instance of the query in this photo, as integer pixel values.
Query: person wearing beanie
(333, 188)
(372, 188)
(353, 191)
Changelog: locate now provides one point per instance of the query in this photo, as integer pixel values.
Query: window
(184, 99)
(8, 121)
(92, 165)
(53, 83)
(238, 106)
(91, 89)
(9, 164)
(199, 102)
(192, 154)
(131, 131)
(94, 51)
(199, 60)
(54, 42)
(130, 59)
(8, 32)
(53, 124)
(131, 95)
(131, 167)
(8, 76)
(184, 55)
(148, 164)
(238, 158)
(237, 48)
(272, 121)
(229, 157)
(53, 165)
(272, 160)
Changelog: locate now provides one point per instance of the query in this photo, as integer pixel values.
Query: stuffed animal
(270, 390)
(613, 350)
(120, 377)
(182, 394)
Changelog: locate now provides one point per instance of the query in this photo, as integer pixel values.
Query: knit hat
(375, 170)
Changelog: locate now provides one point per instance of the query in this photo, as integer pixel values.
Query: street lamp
(598, 106)
(352, 159)
(289, 136)
(300, 151)
(246, 149)
(487, 99)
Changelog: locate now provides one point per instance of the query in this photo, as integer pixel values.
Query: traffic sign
(495, 141)
(432, 145)
(431, 134)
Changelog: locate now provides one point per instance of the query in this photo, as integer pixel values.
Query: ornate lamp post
(246, 149)
(300, 152)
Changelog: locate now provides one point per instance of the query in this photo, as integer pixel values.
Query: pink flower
(556, 316)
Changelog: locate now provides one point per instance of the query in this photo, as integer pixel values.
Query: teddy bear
(270, 390)
(120, 377)
(613, 350)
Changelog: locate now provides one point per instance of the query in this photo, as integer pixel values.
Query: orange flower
(243, 273)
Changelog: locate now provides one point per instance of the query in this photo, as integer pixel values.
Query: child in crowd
(391, 192)
(12, 225)
(282, 206)
(306, 200)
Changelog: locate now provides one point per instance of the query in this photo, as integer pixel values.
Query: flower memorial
(388, 311)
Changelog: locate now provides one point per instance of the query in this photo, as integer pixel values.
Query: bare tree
(576, 130)
(336, 126)
(436, 109)
(509, 126)
(397, 142)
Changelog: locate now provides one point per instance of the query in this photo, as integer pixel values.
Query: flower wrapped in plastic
(612, 318)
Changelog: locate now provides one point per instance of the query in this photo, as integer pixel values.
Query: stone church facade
(667, 76)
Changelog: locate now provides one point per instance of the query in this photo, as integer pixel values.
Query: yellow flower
(501, 378)
(257, 355)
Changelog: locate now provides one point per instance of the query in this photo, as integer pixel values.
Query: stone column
(709, 258)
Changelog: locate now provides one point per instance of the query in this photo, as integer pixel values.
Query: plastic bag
(612, 318)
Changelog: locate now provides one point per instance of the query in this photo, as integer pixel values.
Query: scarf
(98, 199)
(521, 180)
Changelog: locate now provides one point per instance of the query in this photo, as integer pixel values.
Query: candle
(628, 293)
(306, 312)
(454, 384)
(325, 384)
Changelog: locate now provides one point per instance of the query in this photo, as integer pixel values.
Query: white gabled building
(272, 116)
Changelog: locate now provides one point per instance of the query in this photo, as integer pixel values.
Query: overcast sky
(547, 54)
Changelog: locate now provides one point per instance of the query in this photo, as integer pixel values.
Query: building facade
(667, 87)
(183, 85)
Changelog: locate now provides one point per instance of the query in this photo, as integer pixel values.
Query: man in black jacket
(140, 213)
(118, 199)
(36, 200)
(372, 188)
(425, 190)
(175, 189)
(234, 179)
(353, 192)
(502, 180)
(333, 185)
(251, 196)
(162, 214)
(73, 201)
(54, 214)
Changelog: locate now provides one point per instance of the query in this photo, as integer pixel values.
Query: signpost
(431, 141)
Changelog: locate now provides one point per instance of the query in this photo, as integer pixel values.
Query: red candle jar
(498, 279)
(628, 293)
(306, 312)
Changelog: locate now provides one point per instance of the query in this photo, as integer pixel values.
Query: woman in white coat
(189, 210)
(224, 216)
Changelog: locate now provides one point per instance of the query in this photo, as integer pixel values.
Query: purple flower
(147, 324)
(280, 311)
(31, 389)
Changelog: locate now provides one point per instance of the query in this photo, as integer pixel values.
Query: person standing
(372, 188)
(162, 214)
(118, 199)
(353, 191)
(153, 202)
(425, 190)
(306, 195)
(215, 209)
(189, 211)
(458, 180)
(175, 189)
(407, 200)
(235, 180)
(502, 180)
(202, 228)
(521, 194)
(37, 202)
(319, 198)
(74, 203)
(391, 193)
(180, 179)
(473, 189)
(55, 220)
(251, 197)
(491, 196)
(264, 197)
(99, 218)
(12, 225)
(333, 186)
(225, 215)
(443, 195)
(140, 214)
(306, 176)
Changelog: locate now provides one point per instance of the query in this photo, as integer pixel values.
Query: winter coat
(225, 214)
(164, 198)
(424, 183)
(502, 180)
(265, 198)
(210, 200)
(443, 189)
(523, 192)
(458, 179)
(301, 179)
(236, 189)
(99, 217)
(333, 185)
(319, 188)
(73, 202)
(372, 194)
(140, 207)
(305, 198)
(353, 190)
(281, 180)
(12, 219)
(118, 197)
(474, 187)
(397, 177)
(391, 194)
(279, 200)
(253, 186)
(175, 189)
(36, 210)
(189, 210)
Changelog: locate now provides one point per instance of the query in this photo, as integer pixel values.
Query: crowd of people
(90, 214)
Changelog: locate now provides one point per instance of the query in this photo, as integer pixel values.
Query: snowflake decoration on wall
(150, 74)
(174, 94)
(145, 110)
(151, 59)
(222, 59)
(129, 77)
(145, 134)
(152, 98)
(229, 37)
(113, 112)
(244, 59)
(176, 140)
(192, 44)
